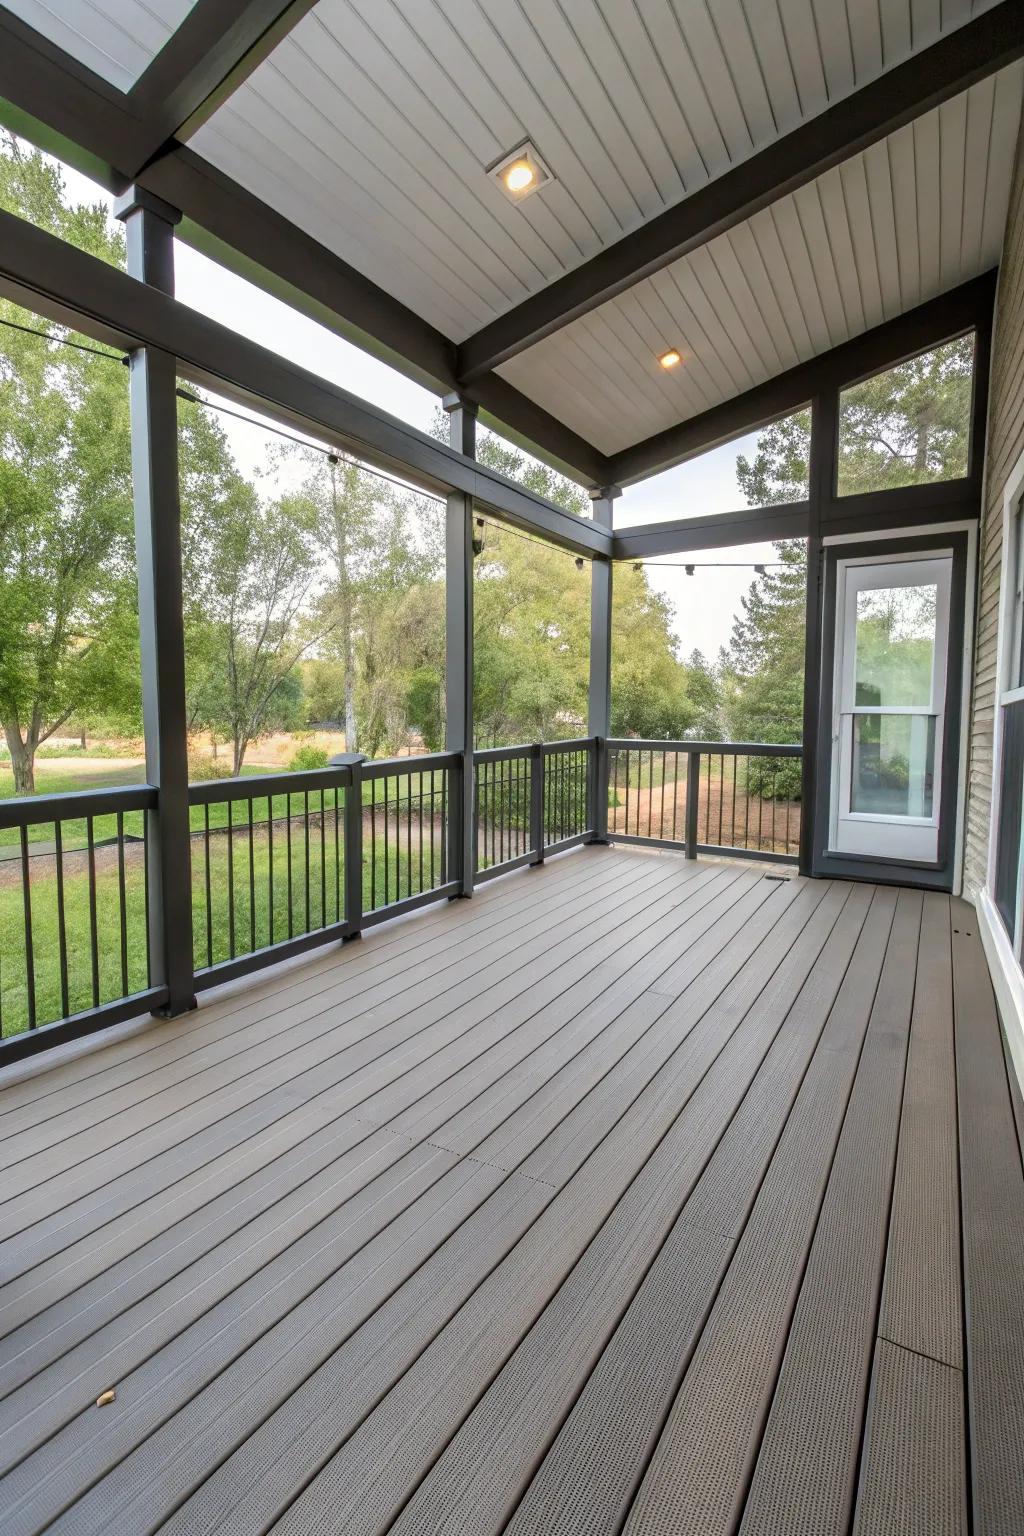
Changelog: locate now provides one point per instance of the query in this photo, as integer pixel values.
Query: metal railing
(282, 862)
(74, 909)
(736, 798)
(531, 801)
(286, 861)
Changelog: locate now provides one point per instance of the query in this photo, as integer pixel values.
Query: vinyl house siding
(1005, 445)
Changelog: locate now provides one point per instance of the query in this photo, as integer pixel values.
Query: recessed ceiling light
(520, 172)
(670, 358)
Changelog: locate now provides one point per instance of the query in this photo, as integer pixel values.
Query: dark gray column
(821, 484)
(149, 231)
(599, 705)
(459, 649)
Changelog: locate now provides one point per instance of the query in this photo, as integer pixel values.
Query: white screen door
(892, 631)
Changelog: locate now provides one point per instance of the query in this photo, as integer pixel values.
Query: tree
(67, 575)
(650, 685)
(69, 640)
(704, 689)
(910, 424)
(254, 595)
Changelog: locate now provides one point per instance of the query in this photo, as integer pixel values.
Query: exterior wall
(1005, 445)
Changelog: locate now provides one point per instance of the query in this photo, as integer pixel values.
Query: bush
(201, 767)
(774, 778)
(307, 757)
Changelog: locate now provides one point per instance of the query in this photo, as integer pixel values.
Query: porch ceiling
(367, 126)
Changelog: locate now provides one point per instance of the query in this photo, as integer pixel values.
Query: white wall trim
(1007, 978)
(1004, 968)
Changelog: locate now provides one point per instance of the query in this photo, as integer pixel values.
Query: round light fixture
(518, 176)
(670, 358)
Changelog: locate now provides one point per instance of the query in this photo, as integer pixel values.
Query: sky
(703, 604)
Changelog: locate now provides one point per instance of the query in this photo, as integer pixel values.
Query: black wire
(711, 565)
(65, 341)
(328, 453)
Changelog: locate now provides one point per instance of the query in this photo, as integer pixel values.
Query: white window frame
(1004, 964)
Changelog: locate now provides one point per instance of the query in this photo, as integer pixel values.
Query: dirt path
(727, 816)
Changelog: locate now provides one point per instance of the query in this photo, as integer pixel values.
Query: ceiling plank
(217, 47)
(929, 77)
(961, 309)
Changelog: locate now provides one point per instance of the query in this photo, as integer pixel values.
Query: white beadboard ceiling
(911, 217)
(371, 124)
(116, 39)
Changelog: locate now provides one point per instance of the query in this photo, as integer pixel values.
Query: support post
(822, 470)
(537, 803)
(599, 710)
(354, 850)
(154, 419)
(459, 650)
(692, 802)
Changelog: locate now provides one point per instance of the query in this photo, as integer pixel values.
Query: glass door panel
(892, 627)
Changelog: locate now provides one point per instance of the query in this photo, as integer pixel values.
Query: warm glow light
(518, 176)
(670, 359)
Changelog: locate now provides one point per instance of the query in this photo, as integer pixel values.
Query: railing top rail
(76, 804)
(504, 754)
(571, 744)
(395, 767)
(257, 786)
(716, 748)
(529, 748)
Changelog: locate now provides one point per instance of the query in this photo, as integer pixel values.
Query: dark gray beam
(961, 309)
(59, 279)
(154, 417)
(458, 663)
(718, 530)
(822, 478)
(930, 76)
(55, 102)
(215, 49)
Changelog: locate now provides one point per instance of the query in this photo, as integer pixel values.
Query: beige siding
(1005, 446)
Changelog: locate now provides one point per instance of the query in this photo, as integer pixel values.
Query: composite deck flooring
(633, 1195)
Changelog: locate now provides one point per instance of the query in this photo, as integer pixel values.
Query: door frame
(937, 874)
(844, 712)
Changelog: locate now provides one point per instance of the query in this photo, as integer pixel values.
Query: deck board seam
(464, 1157)
(922, 1354)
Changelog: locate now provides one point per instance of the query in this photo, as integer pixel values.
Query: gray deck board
(627, 1196)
